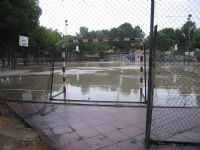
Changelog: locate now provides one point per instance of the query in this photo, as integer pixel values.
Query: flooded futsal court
(120, 81)
(105, 81)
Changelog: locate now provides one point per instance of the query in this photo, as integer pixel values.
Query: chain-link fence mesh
(26, 109)
(109, 71)
(100, 71)
(176, 112)
(25, 77)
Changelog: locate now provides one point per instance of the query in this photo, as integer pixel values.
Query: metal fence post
(52, 75)
(150, 87)
(145, 74)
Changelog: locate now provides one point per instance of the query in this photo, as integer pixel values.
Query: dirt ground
(16, 135)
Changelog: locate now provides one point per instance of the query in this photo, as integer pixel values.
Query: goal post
(136, 41)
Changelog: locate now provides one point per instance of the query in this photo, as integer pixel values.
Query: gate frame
(150, 81)
(152, 61)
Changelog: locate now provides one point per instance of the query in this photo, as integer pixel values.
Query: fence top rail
(99, 40)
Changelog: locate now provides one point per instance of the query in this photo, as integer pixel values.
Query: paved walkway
(90, 127)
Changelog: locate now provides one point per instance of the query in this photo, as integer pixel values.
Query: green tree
(43, 39)
(124, 30)
(180, 41)
(102, 34)
(84, 33)
(188, 32)
(17, 17)
(166, 39)
(196, 38)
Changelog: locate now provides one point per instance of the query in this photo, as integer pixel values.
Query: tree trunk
(25, 58)
(8, 58)
(13, 60)
(3, 61)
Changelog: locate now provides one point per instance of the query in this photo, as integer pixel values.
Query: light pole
(64, 61)
(186, 45)
(189, 36)
(66, 24)
(65, 37)
(189, 30)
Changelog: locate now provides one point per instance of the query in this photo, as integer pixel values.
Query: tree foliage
(124, 30)
(184, 38)
(166, 39)
(17, 17)
(21, 17)
(44, 39)
(196, 38)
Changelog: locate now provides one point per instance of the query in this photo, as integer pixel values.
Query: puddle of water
(101, 81)
(104, 81)
(177, 85)
(120, 82)
(99, 93)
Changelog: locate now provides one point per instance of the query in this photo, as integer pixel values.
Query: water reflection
(177, 85)
(111, 81)
(28, 83)
(108, 81)
(115, 81)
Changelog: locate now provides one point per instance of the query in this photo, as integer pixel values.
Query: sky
(106, 14)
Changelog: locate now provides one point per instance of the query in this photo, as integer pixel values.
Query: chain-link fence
(115, 74)
(102, 71)
(100, 66)
(25, 76)
(103, 62)
(176, 111)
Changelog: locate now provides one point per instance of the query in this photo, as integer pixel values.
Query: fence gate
(176, 95)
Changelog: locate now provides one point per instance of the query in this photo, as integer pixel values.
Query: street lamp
(188, 40)
(189, 36)
(189, 17)
(65, 34)
(66, 24)
(189, 30)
